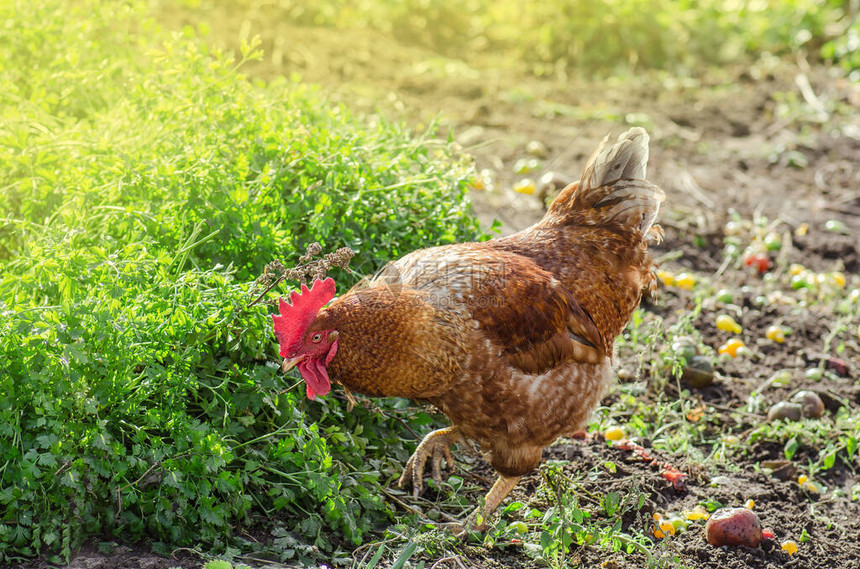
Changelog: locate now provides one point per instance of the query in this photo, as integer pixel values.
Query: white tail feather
(626, 158)
(613, 183)
(613, 189)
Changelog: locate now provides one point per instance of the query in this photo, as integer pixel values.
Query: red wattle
(316, 377)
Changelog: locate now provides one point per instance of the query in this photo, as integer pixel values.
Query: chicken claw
(438, 444)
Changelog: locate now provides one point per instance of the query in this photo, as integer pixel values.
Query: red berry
(758, 260)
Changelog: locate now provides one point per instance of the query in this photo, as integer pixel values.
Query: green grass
(146, 184)
(602, 36)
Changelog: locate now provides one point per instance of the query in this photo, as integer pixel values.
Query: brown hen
(511, 338)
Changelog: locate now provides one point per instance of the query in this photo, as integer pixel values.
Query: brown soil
(743, 139)
(122, 557)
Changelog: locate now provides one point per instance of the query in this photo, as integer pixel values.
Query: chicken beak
(290, 363)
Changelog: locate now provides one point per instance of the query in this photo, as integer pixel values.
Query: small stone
(780, 469)
(810, 402)
(839, 367)
(699, 372)
(785, 410)
(685, 348)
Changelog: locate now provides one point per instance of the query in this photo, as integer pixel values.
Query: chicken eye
(316, 338)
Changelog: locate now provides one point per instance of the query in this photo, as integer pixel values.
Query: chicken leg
(438, 444)
(500, 490)
(477, 520)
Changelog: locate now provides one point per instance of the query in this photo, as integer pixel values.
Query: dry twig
(308, 268)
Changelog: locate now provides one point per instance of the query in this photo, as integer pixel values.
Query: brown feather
(528, 312)
(393, 343)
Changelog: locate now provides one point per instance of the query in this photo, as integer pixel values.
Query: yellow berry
(667, 527)
(666, 278)
(795, 269)
(731, 347)
(697, 513)
(685, 281)
(789, 547)
(775, 334)
(525, 186)
(659, 534)
(802, 479)
(801, 230)
(838, 279)
(727, 324)
(750, 504)
(614, 434)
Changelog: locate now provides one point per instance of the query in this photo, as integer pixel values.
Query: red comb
(298, 314)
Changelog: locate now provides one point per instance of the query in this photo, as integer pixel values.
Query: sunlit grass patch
(147, 183)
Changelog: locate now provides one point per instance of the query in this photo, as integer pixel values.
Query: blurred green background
(598, 36)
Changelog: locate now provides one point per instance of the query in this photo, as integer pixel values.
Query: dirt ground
(777, 138)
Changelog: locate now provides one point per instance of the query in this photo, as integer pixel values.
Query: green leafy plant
(567, 524)
(823, 441)
(147, 183)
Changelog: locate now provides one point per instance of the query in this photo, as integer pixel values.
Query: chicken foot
(477, 520)
(438, 444)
